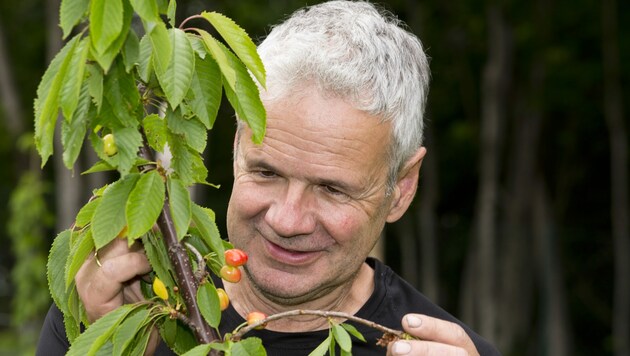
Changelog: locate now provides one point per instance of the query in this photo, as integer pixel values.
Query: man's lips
(290, 257)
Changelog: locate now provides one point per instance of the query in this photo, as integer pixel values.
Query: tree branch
(389, 333)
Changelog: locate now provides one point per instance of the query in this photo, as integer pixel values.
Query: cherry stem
(324, 314)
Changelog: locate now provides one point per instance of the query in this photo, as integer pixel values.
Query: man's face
(309, 204)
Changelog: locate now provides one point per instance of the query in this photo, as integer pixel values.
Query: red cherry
(254, 318)
(224, 301)
(230, 273)
(235, 257)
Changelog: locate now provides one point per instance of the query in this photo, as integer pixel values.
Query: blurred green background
(520, 226)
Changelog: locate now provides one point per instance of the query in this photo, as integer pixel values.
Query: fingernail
(413, 321)
(401, 348)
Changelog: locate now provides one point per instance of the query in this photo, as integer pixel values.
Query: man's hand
(437, 337)
(114, 283)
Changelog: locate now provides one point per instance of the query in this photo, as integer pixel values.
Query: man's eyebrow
(261, 164)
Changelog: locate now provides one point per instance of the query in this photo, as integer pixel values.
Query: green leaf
(158, 257)
(252, 346)
(209, 305)
(79, 252)
(47, 102)
(218, 54)
(129, 328)
(109, 215)
(86, 212)
(100, 166)
(199, 170)
(342, 337)
(175, 80)
(106, 58)
(199, 350)
(171, 12)
(72, 326)
(144, 204)
(197, 45)
(146, 9)
(138, 345)
(106, 23)
(353, 331)
(73, 80)
(160, 44)
(95, 336)
(73, 133)
(70, 13)
(131, 51)
(239, 41)
(95, 84)
(155, 131)
(204, 95)
(180, 205)
(322, 348)
(245, 98)
(128, 141)
(181, 162)
(121, 92)
(145, 67)
(192, 130)
(181, 338)
(204, 221)
(56, 267)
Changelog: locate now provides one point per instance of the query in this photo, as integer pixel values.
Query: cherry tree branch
(186, 280)
(389, 333)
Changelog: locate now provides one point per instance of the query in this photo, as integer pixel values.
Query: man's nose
(291, 213)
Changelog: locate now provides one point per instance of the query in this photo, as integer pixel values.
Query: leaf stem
(181, 25)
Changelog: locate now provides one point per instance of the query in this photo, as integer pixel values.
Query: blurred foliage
(572, 154)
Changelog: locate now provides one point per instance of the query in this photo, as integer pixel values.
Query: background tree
(553, 217)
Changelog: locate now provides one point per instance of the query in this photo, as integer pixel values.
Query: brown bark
(613, 112)
(496, 77)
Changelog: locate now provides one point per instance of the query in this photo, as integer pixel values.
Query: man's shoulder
(394, 297)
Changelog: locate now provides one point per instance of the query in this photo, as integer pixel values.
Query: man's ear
(406, 186)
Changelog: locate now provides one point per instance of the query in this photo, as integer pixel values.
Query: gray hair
(361, 54)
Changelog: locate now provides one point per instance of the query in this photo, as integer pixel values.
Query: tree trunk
(554, 317)
(8, 91)
(496, 77)
(427, 217)
(407, 235)
(613, 111)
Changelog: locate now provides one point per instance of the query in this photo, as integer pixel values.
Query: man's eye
(267, 174)
(332, 190)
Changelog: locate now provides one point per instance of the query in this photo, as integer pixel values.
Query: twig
(201, 262)
(324, 314)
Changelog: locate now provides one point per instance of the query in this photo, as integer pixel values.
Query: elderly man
(346, 92)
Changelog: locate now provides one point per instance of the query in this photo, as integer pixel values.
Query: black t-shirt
(391, 300)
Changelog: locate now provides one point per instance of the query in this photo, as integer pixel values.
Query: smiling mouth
(289, 257)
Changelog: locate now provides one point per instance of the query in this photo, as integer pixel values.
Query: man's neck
(347, 298)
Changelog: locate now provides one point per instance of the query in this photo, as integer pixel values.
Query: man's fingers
(438, 331)
(101, 287)
(424, 348)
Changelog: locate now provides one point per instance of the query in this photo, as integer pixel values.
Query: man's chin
(284, 289)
